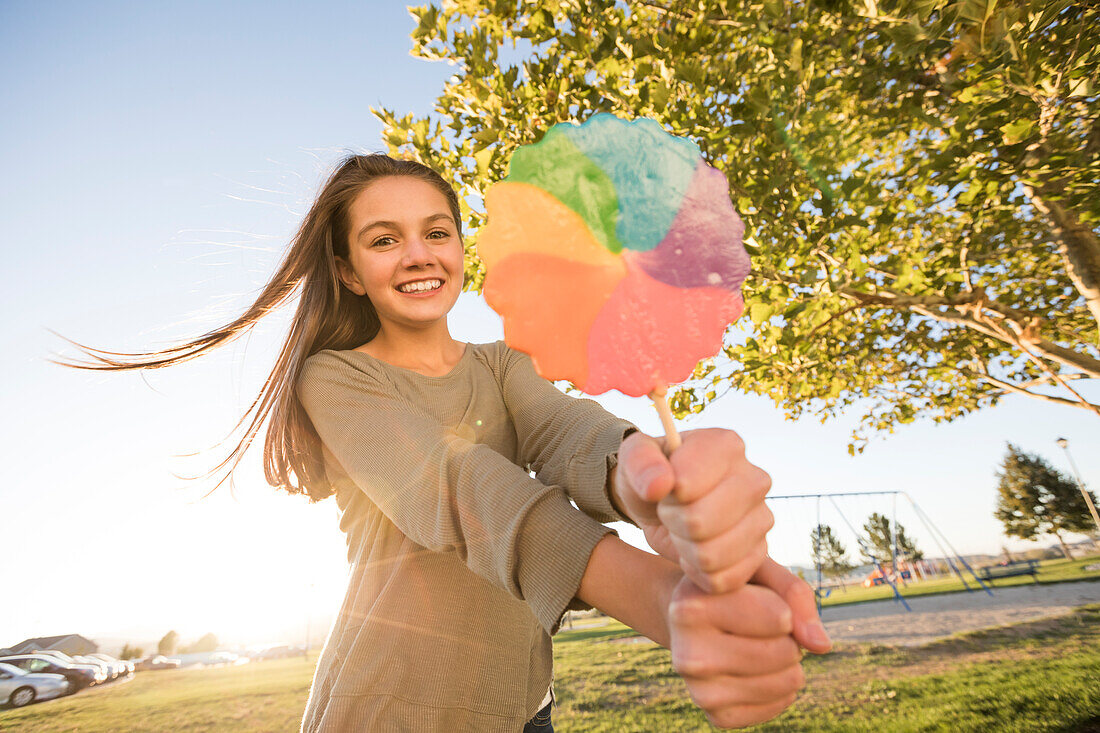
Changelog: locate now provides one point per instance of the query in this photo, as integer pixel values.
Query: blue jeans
(541, 722)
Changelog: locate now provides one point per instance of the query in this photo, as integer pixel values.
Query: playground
(1046, 571)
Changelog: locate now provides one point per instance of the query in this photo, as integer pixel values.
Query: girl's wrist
(632, 586)
(669, 578)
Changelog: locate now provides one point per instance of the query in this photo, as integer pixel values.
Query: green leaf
(486, 136)
(420, 131)
(396, 137)
(658, 94)
(795, 59)
(760, 312)
(483, 157)
(967, 197)
(1016, 132)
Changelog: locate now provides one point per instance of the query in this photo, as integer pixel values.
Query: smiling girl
(463, 562)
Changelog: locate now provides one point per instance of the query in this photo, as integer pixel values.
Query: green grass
(1050, 571)
(253, 698)
(1039, 676)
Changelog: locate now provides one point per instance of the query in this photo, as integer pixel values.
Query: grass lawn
(265, 697)
(1039, 676)
(1050, 571)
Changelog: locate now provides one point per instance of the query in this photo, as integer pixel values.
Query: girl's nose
(417, 252)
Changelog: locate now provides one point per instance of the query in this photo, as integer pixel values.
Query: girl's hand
(736, 651)
(703, 506)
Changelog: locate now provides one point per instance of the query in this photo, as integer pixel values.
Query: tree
(208, 643)
(131, 652)
(1034, 498)
(830, 556)
(881, 538)
(167, 645)
(918, 178)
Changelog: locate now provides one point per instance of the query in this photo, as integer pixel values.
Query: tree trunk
(1077, 244)
(1065, 547)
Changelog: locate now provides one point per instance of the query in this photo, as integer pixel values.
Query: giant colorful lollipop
(613, 255)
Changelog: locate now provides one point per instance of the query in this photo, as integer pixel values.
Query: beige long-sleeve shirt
(462, 563)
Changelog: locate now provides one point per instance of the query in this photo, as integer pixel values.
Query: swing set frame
(953, 559)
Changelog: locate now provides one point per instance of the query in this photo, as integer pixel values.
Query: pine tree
(881, 547)
(131, 652)
(167, 645)
(830, 556)
(208, 643)
(1035, 498)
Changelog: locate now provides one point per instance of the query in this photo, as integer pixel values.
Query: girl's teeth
(421, 286)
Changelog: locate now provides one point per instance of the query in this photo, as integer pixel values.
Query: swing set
(953, 560)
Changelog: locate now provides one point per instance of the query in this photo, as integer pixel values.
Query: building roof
(47, 642)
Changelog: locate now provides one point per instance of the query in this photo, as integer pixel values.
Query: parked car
(122, 667)
(110, 668)
(19, 688)
(97, 663)
(78, 675)
(158, 662)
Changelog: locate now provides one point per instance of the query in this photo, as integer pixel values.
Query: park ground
(1039, 675)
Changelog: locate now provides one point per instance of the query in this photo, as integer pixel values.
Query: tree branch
(963, 309)
(665, 10)
(1022, 342)
(1077, 244)
(1010, 387)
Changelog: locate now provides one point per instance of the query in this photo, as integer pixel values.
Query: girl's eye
(439, 234)
(382, 242)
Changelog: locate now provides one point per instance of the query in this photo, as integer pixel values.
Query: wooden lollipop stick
(672, 438)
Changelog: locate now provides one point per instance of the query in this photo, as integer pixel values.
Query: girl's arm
(631, 585)
(567, 441)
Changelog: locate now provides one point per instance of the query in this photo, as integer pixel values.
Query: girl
(463, 564)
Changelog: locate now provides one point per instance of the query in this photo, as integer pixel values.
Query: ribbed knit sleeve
(447, 493)
(566, 440)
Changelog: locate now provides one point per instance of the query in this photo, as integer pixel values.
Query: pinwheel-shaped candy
(614, 255)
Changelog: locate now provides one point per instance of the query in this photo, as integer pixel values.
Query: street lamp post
(1064, 445)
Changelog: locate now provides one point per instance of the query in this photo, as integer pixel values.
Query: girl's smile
(420, 287)
(404, 253)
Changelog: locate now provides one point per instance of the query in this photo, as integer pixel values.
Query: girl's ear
(348, 277)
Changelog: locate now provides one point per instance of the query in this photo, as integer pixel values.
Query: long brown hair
(329, 316)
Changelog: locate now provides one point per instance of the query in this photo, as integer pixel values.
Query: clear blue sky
(155, 158)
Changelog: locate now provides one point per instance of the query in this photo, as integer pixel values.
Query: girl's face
(404, 252)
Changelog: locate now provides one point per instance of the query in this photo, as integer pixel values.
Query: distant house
(71, 644)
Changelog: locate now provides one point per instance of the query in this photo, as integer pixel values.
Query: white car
(119, 667)
(19, 688)
(110, 669)
(86, 661)
(78, 675)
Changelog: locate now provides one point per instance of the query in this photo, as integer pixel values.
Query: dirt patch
(936, 617)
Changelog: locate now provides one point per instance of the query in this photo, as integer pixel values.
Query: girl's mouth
(420, 287)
